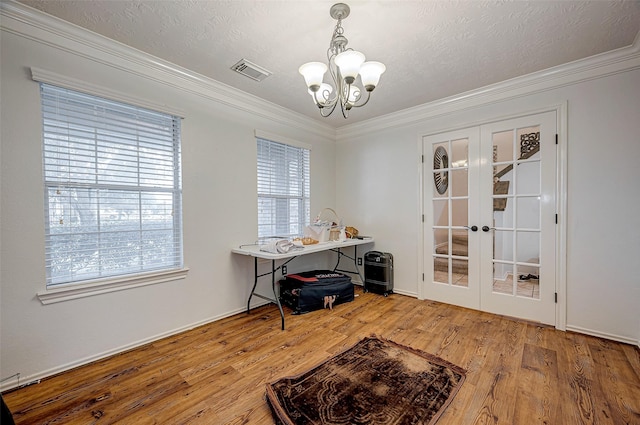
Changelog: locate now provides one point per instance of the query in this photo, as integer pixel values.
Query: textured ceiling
(432, 49)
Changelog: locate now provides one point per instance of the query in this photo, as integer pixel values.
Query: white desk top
(254, 250)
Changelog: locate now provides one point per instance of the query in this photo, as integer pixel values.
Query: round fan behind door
(441, 161)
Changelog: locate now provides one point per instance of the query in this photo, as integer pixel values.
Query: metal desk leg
(355, 262)
(275, 299)
(273, 286)
(255, 283)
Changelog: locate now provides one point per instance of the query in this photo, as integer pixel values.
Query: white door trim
(561, 205)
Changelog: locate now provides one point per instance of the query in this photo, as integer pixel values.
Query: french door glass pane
(460, 274)
(443, 145)
(441, 212)
(459, 212)
(503, 278)
(528, 247)
(528, 213)
(503, 213)
(459, 153)
(441, 241)
(502, 151)
(459, 182)
(439, 176)
(528, 142)
(528, 282)
(460, 243)
(441, 164)
(441, 270)
(503, 245)
(460, 254)
(528, 178)
(503, 146)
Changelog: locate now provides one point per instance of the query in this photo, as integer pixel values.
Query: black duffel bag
(314, 290)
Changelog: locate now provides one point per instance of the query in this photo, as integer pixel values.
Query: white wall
(381, 185)
(219, 213)
(378, 194)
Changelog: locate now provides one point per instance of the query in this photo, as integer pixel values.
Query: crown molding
(32, 24)
(597, 66)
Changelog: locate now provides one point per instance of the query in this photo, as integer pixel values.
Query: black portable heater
(378, 272)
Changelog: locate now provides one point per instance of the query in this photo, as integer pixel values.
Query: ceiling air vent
(251, 70)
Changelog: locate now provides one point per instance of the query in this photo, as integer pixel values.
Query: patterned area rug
(375, 382)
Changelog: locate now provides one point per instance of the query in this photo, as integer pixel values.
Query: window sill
(74, 291)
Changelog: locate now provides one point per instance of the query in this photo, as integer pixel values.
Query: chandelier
(345, 64)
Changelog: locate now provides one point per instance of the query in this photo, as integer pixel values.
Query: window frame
(83, 288)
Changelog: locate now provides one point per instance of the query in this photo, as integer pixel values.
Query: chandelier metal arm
(365, 102)
(324, 109)
(327, 107)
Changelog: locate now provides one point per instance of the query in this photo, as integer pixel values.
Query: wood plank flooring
(517, 372)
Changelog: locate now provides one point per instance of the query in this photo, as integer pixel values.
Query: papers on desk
(281, 246)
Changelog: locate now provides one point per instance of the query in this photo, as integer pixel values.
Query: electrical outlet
(359, 261)
(284, 270)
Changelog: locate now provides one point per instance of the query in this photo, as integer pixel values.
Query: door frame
(561, 201)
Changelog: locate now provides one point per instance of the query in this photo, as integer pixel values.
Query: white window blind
(113, 197)
(283, 189)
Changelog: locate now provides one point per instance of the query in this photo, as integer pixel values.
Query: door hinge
(423, 277)
(556, 298)
(423, 218)
(556, 218)
(422, 159)
(556, 139)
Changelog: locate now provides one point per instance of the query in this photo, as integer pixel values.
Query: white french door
(451, 173)
(490, 209)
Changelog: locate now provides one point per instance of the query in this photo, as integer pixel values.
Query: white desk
(335, 246)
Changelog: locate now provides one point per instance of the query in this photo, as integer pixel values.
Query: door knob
(487, 228)
(472, 228)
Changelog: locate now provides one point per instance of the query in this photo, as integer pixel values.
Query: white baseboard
(22, 381)
(407, 293)
(604, 335)
(396, 291)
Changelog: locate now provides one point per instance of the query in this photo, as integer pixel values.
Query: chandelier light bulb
(313, 73)
(349, 63)
(354, 94)
(370, 73)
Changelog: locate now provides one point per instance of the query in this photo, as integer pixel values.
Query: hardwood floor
(517, 372)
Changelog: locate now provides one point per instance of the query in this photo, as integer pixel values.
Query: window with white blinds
(283, 189)
(113, 196)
